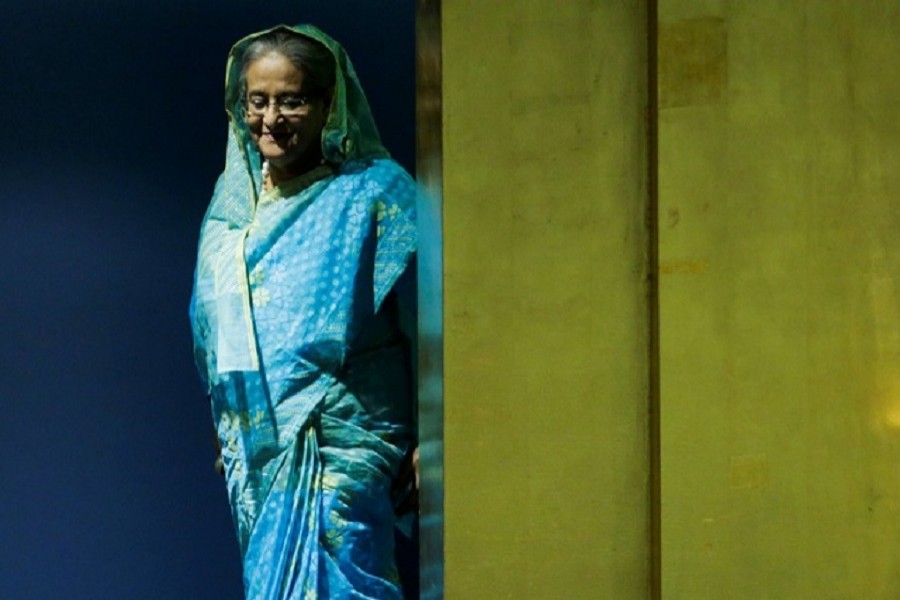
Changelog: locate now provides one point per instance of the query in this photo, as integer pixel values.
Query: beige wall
(544, 311)
(779, 168)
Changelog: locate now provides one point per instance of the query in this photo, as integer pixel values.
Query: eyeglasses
(288, 105)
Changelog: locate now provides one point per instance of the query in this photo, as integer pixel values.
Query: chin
(272, 152)
(274, 157)
(281, 161)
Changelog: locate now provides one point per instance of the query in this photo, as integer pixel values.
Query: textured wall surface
(545, 313)
(779, 167)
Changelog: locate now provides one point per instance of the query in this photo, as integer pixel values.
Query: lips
(277, 137)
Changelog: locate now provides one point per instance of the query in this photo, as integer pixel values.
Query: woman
(304, 249)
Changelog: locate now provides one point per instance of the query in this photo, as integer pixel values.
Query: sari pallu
(307, 373)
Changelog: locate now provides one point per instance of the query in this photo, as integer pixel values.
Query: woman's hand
(405, 491)
(219, 465)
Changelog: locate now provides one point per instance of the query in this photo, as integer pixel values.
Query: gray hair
(306, 54)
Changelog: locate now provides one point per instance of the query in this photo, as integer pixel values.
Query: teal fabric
(297, 340)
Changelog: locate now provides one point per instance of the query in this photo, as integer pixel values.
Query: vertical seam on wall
(653, 344)
(429, 173)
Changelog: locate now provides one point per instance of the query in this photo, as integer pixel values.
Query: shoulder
(376, 179)
(381, 171)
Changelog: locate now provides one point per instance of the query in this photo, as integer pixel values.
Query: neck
(278, 174)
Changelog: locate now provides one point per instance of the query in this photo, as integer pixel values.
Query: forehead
(273, 72)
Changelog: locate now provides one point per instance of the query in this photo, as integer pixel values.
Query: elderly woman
(304, 258)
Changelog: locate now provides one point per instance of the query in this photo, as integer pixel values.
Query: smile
(276, 136)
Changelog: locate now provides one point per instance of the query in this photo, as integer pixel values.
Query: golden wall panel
(545, 335)
(779, 311)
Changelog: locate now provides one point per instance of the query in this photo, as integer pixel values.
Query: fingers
(415, 464)
(405, 488)
(219, 465)
(408, 472)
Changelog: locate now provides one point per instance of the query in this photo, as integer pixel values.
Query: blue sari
(297, 340)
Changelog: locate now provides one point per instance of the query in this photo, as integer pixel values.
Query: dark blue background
(113, 135)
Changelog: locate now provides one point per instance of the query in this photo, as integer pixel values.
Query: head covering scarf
(298, 349)
(349, 133)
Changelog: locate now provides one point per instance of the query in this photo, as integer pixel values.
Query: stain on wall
(693, 62)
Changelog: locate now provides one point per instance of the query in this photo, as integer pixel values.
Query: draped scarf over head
(348, 138)
(349, 132)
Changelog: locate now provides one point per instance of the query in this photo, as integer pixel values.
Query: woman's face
(285, 123)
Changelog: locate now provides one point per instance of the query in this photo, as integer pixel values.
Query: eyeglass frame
(280, 103)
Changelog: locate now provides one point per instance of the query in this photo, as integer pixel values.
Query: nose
(271, 115)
